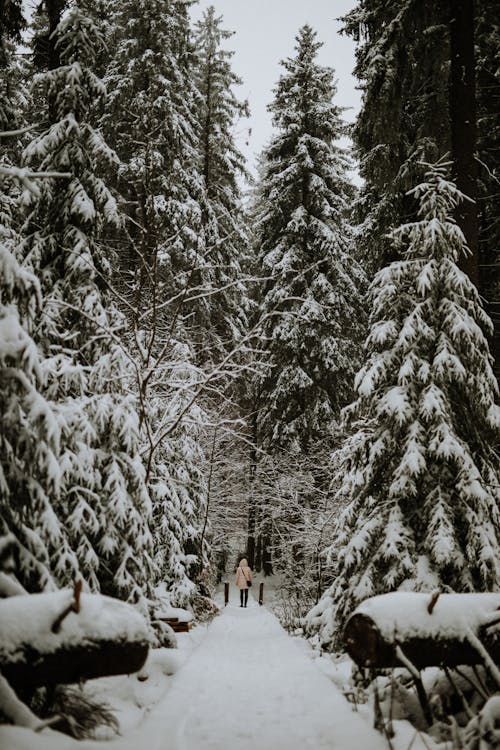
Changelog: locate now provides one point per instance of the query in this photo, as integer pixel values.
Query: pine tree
(312, 302)
(488, 99)
(423, 476)
(223, 168)
(12, 89)
(151, 123)
(104, 504)
(30, 473)
(402, 63)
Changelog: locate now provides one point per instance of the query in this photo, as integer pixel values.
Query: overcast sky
(265, 33)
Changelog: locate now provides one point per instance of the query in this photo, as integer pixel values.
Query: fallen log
(424, 629)
(101, 637)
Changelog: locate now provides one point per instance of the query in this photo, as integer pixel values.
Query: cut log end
(368, 648)
(66, 666)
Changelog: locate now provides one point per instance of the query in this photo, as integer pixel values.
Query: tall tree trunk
(258, 554)
(252, 510)
(464, 126)
(267, 560)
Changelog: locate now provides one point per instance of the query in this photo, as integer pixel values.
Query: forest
(200, 365)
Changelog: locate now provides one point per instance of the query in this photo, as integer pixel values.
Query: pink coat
(243, 575)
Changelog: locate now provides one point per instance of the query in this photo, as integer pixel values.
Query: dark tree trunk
(251, 537)
(85, 661)
(463, 118)
(54, 10)
(267, 561)
(252, 513)
(258, 554)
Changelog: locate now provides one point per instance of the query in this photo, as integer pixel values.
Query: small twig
(48, 722)
(73, 607)
(422, 695)
(459, 693)
(483, 652)
(20, 131)
(435, 596)
(480, 680)
(478, 686)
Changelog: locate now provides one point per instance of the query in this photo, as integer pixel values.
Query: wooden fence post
(261, 594)
(226, 593)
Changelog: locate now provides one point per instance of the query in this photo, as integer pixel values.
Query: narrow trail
(248, 686)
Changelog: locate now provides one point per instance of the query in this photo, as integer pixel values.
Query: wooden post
(261, 593)
(226, 593)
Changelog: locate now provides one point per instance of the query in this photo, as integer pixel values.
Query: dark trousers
(244, 596)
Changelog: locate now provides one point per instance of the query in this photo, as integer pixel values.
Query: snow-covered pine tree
(30, 473)
(423, 477)
(311, 298)
(104, 504)
(223, 169)
(150, 121)
(12, 89)
(402, 63)
(488, 124)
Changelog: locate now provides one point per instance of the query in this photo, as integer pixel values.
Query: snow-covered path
(248, 686)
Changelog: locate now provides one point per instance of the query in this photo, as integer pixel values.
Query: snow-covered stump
(424, 629)
(45, 639)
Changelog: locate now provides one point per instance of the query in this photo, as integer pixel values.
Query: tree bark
(70, 665)
(368, 647)
(463, 116)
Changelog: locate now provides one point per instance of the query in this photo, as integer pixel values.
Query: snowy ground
(242, 684)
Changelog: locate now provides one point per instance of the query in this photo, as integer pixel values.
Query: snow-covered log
(425, 630)
(100, 637)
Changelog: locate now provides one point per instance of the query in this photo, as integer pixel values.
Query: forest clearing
(249, 338)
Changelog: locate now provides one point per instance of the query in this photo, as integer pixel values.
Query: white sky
(265, 33)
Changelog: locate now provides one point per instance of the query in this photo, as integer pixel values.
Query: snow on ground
(243, 684)
(131, 699)
(249, 686)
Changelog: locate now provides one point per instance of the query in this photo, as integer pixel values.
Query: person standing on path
(243, 581)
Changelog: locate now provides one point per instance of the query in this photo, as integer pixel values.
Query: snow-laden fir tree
(223, 169)
(30, 472)
(488, 124)
(402, 64)
(150, 121)
(423, 479)
(12, 101)
(310, 294)
(103, 503)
